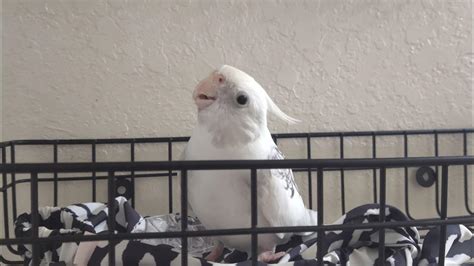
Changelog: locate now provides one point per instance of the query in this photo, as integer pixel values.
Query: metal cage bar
(184, 217)
(35, 259)
(383, 188)
(436, 148)
(444, 214)
(320, 214)
(111, 217)
(9, 262)
(13, 178)
(132, 173)
(236, 164)
(405, 155)
(83, 178)
(5, 209)
(170, 179)
(5, 196)
(55, 175)
(254, 214)
(466, 183)
(374, 171)
(310, 179)
(169, 167)
(94, 177)
(343, 194)
(280, 135)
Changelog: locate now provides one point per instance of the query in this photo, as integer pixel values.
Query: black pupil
(242, 99)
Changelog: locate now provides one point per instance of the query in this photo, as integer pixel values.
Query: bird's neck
(230, 130)
(203, 146)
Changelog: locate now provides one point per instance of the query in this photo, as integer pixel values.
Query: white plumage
(232, 125)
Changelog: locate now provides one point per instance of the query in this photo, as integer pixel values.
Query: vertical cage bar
(5, 196)
(35, 258)
(55, 174)
(374, 171)
(12, 160)
(321, 233)
(184, 217)
(436, 174)
(310, 181)
(383, 188)
(94, 175)
(405, 154)
(444, 213)
(170, 178)
(466, 185)
(320, 176)
(132, 159)
(254, 215)
(111, 218)
(5, 203)
(343, 191)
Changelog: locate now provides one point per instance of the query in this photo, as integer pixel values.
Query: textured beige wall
(126, 68)
(87, 68)
(1, 74)
(1, 105)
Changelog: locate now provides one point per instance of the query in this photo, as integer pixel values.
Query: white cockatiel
(232, 125)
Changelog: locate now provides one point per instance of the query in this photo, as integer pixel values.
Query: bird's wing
(286, 175)
(280, 202)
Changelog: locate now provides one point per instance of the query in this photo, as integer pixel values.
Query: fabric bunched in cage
(403, 246)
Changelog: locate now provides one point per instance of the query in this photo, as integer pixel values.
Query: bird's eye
(242, 99)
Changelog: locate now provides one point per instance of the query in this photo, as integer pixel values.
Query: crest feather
(273, 108)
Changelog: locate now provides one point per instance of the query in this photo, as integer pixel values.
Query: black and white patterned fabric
(403, 246)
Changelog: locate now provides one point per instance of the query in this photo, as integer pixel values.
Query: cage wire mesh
(426, 173)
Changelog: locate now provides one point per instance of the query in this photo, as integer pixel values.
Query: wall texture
(126, 68)
(95, 69)
(1, 73)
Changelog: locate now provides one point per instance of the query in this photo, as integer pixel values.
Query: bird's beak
(206, 91)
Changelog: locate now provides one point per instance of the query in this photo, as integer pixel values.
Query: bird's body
(230, 130)
(221, 199)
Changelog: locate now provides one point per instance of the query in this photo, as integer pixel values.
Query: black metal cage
(431, 170)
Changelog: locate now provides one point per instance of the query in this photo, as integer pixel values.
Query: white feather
(273, 108)
(226, 131)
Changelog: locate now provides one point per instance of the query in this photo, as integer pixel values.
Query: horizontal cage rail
(277, 135)
(233, 164)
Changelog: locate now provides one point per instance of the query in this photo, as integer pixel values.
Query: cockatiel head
(233, 107)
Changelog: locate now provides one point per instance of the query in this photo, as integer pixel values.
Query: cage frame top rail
(100, 141)
(233, 164)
